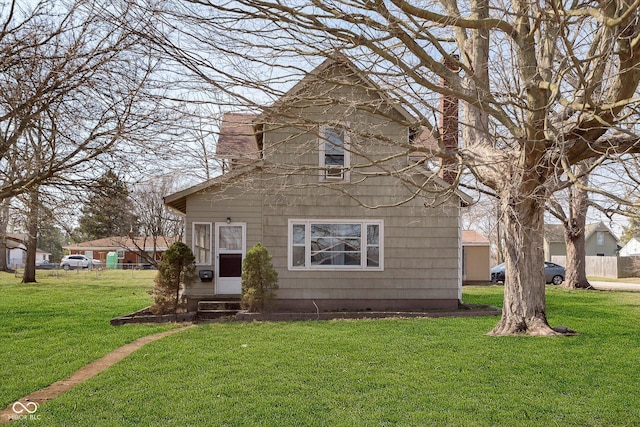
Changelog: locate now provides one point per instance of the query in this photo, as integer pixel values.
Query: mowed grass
(50, 329)
(407, 372)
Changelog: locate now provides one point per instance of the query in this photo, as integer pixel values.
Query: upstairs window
(334, 153)
(600, 238)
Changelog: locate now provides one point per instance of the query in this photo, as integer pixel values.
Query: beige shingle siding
(421, 245)
(215, 205)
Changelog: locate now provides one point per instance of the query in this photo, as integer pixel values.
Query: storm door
(230, 251)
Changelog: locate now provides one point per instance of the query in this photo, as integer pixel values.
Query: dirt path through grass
(29, 404)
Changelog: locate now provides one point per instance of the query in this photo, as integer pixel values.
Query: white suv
(78, 261)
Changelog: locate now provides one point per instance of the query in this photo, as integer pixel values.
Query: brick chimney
(448, 126)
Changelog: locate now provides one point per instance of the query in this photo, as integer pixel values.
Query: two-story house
(323, 180)
(599, 240)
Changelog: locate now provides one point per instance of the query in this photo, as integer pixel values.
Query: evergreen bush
(176, 271)
(259, 279)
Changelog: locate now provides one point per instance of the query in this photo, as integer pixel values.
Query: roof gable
(337, 70)
(591, 229)
(240, 134)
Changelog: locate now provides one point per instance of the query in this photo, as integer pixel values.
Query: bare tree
(618, 181)
(78, 94)
(83, 84)
(29, 275)
(574, 220)
(619, 175)
(159, 226)
(154, 218)
(543, 85)
(4, 224)
(631, 230)
(199, 149)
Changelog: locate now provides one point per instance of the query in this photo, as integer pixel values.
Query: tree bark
(576, 277)
(500, 237)
(29, 275)
(4, 223)
(524, 305)
(574, 229)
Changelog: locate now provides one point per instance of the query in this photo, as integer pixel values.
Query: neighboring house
(632, 248)
(599, 241)
(297, 179)
(128, 249)
(476, 257)
(17, 250)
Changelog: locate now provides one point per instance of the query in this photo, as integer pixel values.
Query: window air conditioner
(334, 172)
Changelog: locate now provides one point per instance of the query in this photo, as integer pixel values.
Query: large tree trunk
(524, 307)
(574, 229)
(576, 276)
(4, 223)
(32, 238)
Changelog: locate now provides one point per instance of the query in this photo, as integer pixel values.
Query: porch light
(228, 220)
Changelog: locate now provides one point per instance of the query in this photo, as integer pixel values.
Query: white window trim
(211, 237)
(309, 267)
(322, 152)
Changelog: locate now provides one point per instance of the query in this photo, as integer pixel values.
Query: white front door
(230, 251)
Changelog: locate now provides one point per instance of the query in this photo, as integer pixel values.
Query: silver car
(553, 273)
(71, 262)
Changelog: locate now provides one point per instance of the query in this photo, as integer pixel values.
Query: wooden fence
(607, 266)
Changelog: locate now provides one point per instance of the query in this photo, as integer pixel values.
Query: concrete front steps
(210, 310)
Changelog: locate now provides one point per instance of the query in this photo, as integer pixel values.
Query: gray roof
(237, 139)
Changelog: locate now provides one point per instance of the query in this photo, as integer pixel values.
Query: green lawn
(368, 372)
(50, 329)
